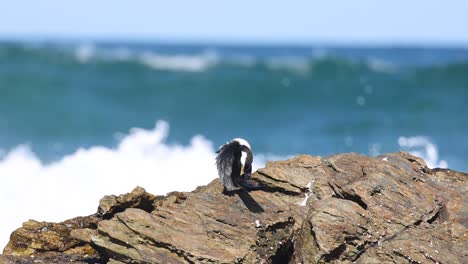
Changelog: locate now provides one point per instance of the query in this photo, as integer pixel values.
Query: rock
(38, 237)
(390, 209)
(341, 209)
(53, 242)
(138, 198)
(47, 257)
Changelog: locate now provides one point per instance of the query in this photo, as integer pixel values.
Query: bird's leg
(237, 184)
(244, 177)
(229, 192)
(247, 184)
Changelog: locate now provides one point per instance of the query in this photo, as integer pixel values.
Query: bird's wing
(224, 163)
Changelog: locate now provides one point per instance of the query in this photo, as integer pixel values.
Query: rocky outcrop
(45, 242)
(342, 209)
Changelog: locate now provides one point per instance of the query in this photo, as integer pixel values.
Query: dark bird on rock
(234, 163)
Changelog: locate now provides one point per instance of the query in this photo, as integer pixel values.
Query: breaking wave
(74, 184)
(178, 62)
(314, 60)
(189, 62)
(424, 148)
(193, 63)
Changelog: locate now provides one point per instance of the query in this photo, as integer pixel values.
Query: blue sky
(301, 21)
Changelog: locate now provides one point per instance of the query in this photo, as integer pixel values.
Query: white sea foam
(73, 185)
(203, 60)
(85, 53)
(424, 148)
(380, 65)
(293, 64)
(192, 63)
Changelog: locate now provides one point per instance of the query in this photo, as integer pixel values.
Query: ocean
(79, 120)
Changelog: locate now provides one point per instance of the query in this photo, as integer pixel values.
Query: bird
(234, 164)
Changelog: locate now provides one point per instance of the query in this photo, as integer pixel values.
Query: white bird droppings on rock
(307, 194)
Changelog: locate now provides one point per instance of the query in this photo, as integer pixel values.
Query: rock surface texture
(346, 208)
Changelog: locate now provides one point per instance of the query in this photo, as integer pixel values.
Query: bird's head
(246, 154)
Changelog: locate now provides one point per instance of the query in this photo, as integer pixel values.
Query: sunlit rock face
(341, 209)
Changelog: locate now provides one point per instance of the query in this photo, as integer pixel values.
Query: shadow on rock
(248, 200)
(250, 203)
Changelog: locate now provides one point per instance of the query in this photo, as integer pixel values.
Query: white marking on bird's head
(242, 142)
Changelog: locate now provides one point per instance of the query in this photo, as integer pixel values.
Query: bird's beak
(242, 170)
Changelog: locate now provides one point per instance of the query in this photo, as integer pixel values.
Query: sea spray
(73, 185)
(424, 148)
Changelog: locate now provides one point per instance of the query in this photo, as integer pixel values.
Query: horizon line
(226, 42)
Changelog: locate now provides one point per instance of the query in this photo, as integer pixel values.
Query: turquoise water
(57, 98)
